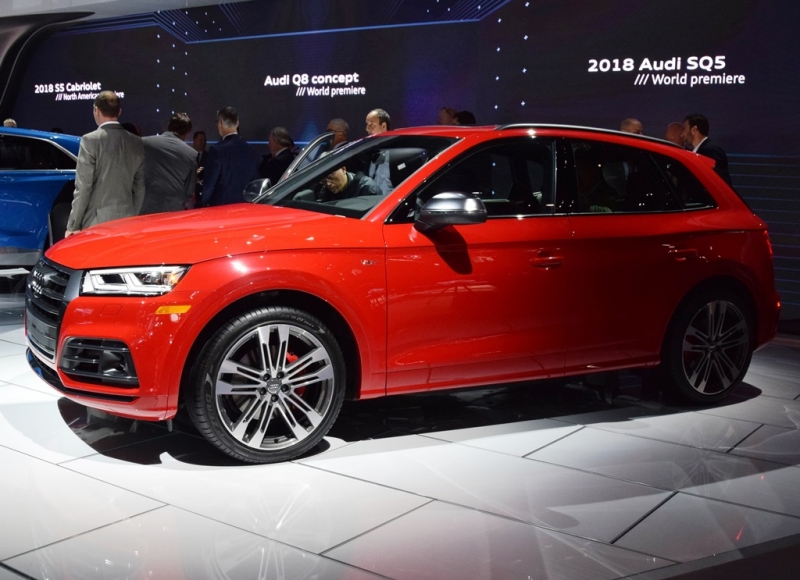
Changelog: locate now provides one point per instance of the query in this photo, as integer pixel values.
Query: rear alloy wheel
(709, 348)
(268, 386)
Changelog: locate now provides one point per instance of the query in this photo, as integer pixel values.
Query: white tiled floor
(522, 482)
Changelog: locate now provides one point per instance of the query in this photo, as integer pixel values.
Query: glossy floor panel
(549, 480)
(173, 543)
(444, 541)
(10, 348)
(686, 428)
(689, 528)
(300, 506)
(770, 443)
(669, 466)
(548, 495)
(6, 574)
(55, 430)
(774, 380)
(42, 503)
(15, 370)
(514, 438)
(763, 409)
(12, 332)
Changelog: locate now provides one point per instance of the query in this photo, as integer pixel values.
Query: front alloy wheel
(270, 385)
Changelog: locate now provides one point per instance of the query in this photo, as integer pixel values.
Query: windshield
(352, 180)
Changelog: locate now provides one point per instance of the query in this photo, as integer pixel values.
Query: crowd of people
(691, 134)
(121, 173)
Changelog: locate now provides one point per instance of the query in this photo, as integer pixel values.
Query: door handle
(681, 254)
(546, 260)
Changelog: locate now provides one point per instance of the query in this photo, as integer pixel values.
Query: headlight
(147, 281)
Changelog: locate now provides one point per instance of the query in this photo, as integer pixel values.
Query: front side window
(25, 154)
(512, 178)
(617, 179)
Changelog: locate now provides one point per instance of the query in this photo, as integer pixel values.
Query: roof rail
(581, 128)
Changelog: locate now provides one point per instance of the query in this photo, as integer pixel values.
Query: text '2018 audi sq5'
(494, 255)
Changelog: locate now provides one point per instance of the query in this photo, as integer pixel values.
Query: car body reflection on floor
(597, 478)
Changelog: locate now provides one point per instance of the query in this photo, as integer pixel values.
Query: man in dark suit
(341, 133)
(231, 163)
(109, 176)
(170, 167)
(281, 156)
(695, 136)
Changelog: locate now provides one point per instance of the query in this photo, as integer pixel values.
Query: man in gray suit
(109, 177)
(170, 167)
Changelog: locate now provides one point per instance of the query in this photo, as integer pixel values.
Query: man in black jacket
(280, 157)
(695, 135)
(341, 184)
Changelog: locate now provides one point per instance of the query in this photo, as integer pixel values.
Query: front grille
(45, 299)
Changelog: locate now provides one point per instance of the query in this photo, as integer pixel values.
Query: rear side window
(25, 154)
(617, 179)
(690, 192)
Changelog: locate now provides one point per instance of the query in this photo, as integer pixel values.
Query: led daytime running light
(147, 281)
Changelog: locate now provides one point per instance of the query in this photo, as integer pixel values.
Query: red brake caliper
(290, 358)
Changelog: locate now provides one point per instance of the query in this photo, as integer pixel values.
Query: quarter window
(688, 189)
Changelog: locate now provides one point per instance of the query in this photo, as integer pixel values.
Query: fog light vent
(99, 361)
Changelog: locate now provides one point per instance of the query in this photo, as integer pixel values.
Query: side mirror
(450, 209)
(255, 189)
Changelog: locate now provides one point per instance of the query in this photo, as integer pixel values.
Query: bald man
(631, 125)
(674, 133)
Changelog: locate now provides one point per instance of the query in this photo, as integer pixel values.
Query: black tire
(708, 347)
(284, 374)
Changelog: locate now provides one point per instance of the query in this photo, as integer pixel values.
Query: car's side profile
(37, 177)
(502, 254)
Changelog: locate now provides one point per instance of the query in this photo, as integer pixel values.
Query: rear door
(636, 251)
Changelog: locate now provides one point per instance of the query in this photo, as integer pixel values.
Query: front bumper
(114, 353)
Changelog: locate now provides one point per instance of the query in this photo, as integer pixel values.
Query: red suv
(477, 255)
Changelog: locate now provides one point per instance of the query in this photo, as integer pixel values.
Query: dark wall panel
(579, 62)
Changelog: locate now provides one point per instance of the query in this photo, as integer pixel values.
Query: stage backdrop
(300, 63)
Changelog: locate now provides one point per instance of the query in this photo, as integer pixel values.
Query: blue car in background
(37, 180)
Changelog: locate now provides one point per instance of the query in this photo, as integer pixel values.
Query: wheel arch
(64, 198)
(309, 303)
(66, 194)
(711, 285)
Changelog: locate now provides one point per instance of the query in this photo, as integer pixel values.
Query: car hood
(189, 237)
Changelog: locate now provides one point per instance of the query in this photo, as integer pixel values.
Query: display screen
(299, 64)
